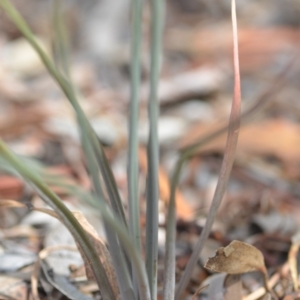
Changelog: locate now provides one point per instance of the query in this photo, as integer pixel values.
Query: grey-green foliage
(138, 279)
(157, 23)
(96, 159)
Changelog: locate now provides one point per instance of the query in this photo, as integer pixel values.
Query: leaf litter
(261, 206)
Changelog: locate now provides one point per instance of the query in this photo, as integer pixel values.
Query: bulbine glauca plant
(124, 270)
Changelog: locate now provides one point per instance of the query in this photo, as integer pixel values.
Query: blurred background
(195, 95)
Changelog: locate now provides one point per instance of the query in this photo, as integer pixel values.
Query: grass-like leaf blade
(227, 163)
(157, 22)
(65, 215)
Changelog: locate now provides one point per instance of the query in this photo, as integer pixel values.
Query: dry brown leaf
(99, 246)
(101, 249)
(10, 187)
(36, 268)
(254, 51)
(237, 258)
(21, 121)
(97, 242)
(261, 138)
(13, 288)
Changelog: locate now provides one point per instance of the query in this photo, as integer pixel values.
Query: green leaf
(65, 215)
(157, 22)
(227, 163)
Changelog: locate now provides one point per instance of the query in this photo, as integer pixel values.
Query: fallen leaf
(237, 258)
(97, 242)
(13, 288)
(10, 187)
(99, 246)
(62, 284)
(259, 139)
(254, 52)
